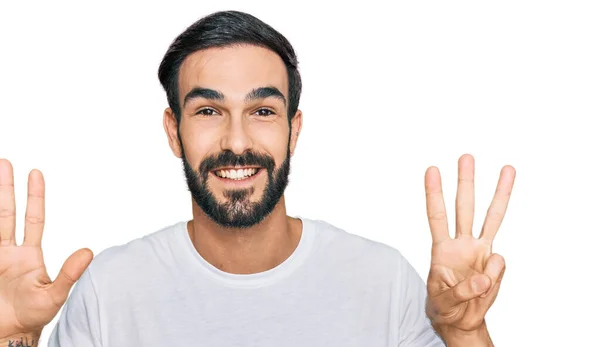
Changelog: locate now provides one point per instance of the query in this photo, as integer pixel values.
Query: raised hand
(28, 298)
(465, 275)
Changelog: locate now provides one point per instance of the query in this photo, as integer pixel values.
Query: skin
(29, 299)
(235, 124)
(465, 275)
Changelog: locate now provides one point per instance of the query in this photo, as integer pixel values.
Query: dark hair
(221, 29)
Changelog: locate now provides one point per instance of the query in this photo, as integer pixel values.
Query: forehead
(233, 70)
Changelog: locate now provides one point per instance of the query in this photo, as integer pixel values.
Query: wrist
(29, 339)
(454, 337)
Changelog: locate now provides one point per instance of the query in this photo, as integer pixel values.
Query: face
(234, 136)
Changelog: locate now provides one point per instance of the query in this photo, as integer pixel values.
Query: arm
(24, 340)
(459, 338)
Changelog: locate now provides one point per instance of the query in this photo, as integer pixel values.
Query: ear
(296, 128)
(170, 124)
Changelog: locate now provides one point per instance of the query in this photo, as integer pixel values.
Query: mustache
(228, 158)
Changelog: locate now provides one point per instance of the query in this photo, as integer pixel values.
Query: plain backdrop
(389, 89)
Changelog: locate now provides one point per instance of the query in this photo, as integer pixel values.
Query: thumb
(70, 272)
(471, 288)
(465, 290)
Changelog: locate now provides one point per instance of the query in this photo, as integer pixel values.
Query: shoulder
(351, 251)
(136, 255)
(340, 241)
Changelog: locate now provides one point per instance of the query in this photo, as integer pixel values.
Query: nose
(236, 137)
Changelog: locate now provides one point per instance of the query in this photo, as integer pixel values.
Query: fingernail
(479, 284)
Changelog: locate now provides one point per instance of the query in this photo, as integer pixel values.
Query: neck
(249, 250)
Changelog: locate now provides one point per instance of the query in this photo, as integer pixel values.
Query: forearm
(21, 340)
(461, 338)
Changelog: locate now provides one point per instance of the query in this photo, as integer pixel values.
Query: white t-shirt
(336, 289)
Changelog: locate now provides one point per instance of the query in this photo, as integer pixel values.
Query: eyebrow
(205, 93)
(254, 94)
(265, 92)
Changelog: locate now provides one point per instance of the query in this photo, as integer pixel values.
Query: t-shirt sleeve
(415, 329)
(79, 322)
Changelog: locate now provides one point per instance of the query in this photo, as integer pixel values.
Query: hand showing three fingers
(465, 275)
(28, 298)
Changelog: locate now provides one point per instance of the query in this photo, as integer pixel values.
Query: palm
(453, 300)
(28, 298)
(454, 261)
(23, 300)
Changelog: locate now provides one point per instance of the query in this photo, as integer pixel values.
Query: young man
(242, 272)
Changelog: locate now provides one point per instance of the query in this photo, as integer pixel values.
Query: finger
(7, 204)
(465, 196)
(494, 269)
(70, 273)
(497, 209)
(464, 291)
(35, 211)
(436, 210)
(489, 299)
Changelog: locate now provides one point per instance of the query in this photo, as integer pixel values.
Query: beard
(238, 211)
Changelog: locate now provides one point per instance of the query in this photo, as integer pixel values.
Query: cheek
(198, 143)
(272, 139)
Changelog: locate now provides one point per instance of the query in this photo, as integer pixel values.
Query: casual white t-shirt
(336, 289)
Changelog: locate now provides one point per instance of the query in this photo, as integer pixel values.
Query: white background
(388, 91)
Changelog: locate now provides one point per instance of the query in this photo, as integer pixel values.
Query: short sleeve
(79, 322)
(415, 329)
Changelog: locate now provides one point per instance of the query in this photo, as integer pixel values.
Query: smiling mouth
(236, 174)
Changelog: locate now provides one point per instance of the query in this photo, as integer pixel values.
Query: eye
(207, 112)
(264, 112)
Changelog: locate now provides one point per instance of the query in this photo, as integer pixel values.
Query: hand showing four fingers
(28, 298)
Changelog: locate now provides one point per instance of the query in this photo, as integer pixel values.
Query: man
(242, 272)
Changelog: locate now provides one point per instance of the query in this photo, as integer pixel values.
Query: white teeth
(236, 174)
